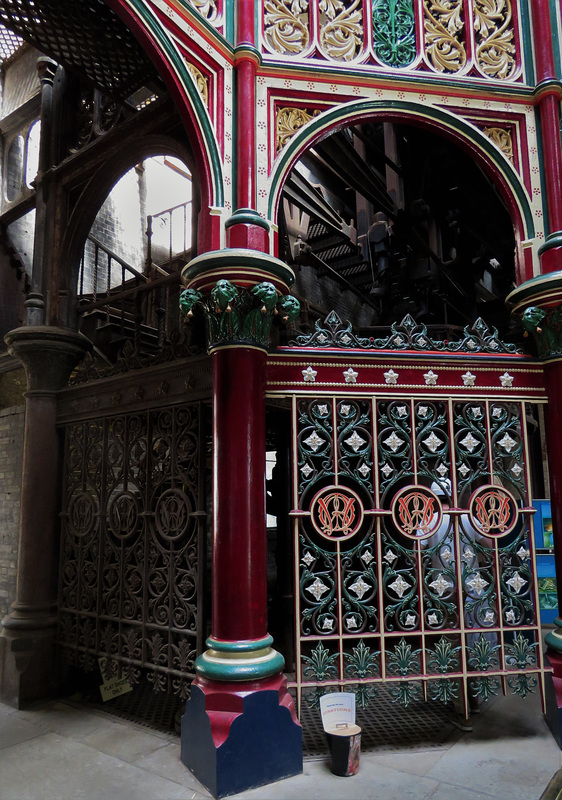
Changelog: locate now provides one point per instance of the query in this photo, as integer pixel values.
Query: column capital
(240, 292)
(538, 303)
(49, 354)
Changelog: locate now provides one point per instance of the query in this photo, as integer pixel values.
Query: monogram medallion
(336, 512)
(493, 511)
(417, 512)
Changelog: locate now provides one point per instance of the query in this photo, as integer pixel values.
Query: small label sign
(112, 686)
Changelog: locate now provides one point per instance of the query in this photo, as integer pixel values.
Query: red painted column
(239, 540)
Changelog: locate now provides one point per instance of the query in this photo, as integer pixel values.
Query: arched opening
(385, 218)
(129, 272)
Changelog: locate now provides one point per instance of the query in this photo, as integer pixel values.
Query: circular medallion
(123, 514)
(172, 514)
(493, 511)
(417, 512)
(82, 510)
(336, 512)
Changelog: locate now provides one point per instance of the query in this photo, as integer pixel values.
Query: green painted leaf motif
(485, 687)
(394, 38)
(444, 690)
(521, 652)
(363, 693)
(320, 663)
(481, 655)
(362, 662)
(522, 684)
(404, 692)
(403, 661)
(442, 658)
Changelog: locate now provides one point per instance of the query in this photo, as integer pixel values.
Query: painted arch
(463, 133)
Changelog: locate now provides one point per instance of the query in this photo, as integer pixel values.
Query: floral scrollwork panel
(341, 28)
(287, 25)
(288, 122)
(394, 34)
(501, 137)
(494, 34)
(444, 35)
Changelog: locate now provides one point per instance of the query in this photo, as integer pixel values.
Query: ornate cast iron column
(539, 303)
(26, 643)
(240, 728)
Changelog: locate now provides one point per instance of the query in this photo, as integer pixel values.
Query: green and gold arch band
(245, 660)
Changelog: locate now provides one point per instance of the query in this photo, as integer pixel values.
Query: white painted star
(446, 554)
(364, 470)
(510, 615)
(507, 443)
(523, 553)
(350, 375)
(440, 584)
(394, 441)
(360, 587)
(367, 557)
(308, 558)
(496, 412)
(477, 584)
(422, 411)
(432, 619)
(489, 616)
(314, 441)
(476, 412)
(464, 470)
(410, 621)
(390, 556)
(430, 378)
(442, 470)
(401, 411)
(328, 624)
(517, 470)
(506, 380)
(387, 470)
(399, 586)
(322, 409)
(468, 379)
(345, 409)
(391, 377)
(517, 582)
(469, 442)
(433, 442)
(317, 589)
(351, 622)
(306, 470)
(355, 441)
(309, 375)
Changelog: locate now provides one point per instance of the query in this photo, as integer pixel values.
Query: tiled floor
(61, 751)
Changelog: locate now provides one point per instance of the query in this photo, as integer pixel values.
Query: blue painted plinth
(263, 745)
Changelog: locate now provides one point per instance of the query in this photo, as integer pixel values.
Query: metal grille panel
(131, 539)
(414, 549)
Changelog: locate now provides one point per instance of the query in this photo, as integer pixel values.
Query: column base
(27, 666)
(238, 736)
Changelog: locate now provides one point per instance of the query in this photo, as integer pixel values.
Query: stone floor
(62, 751)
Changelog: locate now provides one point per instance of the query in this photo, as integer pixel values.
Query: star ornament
(309, 375)
(350, 375)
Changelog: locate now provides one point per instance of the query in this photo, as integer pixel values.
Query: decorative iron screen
(131, 539)
(414, 554)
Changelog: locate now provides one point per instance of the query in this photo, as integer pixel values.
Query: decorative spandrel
(417, 570)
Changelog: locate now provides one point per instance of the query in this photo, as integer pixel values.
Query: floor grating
(387, 726)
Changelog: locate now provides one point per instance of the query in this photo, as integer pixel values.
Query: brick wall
(11, 442)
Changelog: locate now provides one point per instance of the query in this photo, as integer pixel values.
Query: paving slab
(52, 767)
